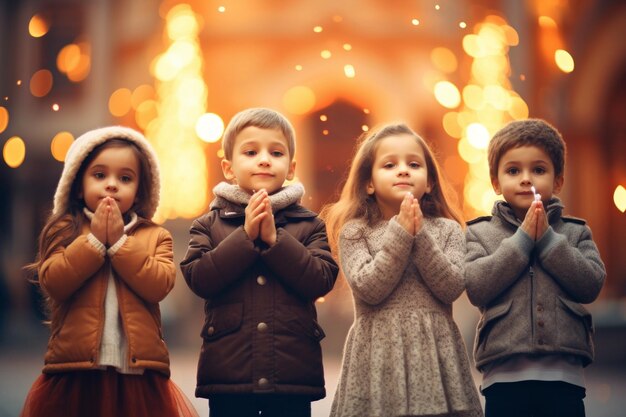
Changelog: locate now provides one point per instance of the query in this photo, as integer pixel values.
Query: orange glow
(142, 93)
(564, 60)
(299, 100)
(451, 124)
(4, 119)
(120, 102)
(68, 58)
(349, 71)
(41, 83)
(60, 145)
(444, 59)
(619, 197)
(14, 152)
(146, 113)
(38, 26)
(447, 94)
(210, 127)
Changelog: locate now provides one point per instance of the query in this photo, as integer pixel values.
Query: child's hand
(267, 229)
(529, 225)
(418, 216)
(406, 216)
(99, 222)
(115, 223)
(542, 220)
(255, 212)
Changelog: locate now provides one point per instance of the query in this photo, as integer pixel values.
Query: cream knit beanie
(82, 146)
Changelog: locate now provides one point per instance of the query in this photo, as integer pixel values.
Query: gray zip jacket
(530, 293)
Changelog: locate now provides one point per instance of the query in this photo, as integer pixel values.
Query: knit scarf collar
(127, 226)
(229, 196)
(502, 209)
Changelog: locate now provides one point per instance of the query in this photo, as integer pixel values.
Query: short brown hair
(528, 132)
(262, 118)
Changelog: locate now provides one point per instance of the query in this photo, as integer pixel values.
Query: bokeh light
(564, 60)
(120, 102)
(4, 119)
(41, 83)
(38, 26)
(447, 94)
(619, 198)
(14, 151)
(60, 144)
(210, 127)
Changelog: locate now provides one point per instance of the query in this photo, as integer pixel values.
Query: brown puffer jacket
(75, 278)
(260, 333)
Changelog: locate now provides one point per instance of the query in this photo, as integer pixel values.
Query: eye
(539, 170)
(512, 171)
(277, 154)
(126, 178)
(98, 175)
(389, 165)
(249, 152)
(414, 165)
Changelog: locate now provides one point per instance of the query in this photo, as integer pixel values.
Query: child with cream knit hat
(103, 267)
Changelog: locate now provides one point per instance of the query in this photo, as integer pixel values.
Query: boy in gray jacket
(529, 269)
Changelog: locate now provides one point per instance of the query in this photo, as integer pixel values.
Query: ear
(558, 184)
(370, 188)
(496, 186)
(292, 171)
(227, 170)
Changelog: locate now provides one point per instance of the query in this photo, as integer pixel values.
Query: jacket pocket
(222, 320)
(574, 324)
(307, 327)
(486, 326)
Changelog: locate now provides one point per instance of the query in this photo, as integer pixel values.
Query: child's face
(399, 167)
(518, 170)
(260, 160)
(113, 173)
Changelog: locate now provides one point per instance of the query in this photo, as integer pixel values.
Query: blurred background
(454, 70)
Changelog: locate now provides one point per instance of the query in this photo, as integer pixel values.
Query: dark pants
(534, 399)
(268, 405)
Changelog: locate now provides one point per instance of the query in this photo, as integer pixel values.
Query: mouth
(403, 184)
(263, 174)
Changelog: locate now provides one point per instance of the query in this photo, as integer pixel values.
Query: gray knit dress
(404, 355)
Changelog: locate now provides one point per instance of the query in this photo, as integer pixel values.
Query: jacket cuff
(549, 239)
(117, 245)
(523, 240)
(97, 244)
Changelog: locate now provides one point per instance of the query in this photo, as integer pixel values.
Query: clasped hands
(107, 224)
(535, 223)
(410, 216)
(259, 221)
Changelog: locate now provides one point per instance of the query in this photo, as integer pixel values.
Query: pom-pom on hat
(86, 143)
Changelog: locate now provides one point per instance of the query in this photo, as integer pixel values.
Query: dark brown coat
(260, 333)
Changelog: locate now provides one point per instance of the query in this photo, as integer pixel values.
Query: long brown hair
(62, 228)
(354, 202)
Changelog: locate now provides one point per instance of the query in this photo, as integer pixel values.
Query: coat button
(263, 383)
(540, 341)
(262, 327)
(540, 307)
(540, 323)
(261, 280)
(210, 331)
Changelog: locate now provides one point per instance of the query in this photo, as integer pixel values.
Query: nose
(111, 184)
(264, 159)
(403, 170)
(526, 178)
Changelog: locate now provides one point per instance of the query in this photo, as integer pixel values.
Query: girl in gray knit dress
(401, 250)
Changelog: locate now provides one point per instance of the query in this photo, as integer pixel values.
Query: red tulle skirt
(106, 393)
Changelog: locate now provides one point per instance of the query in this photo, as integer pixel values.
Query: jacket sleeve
(441, 268)
(487, 275)
(149, 272)
(373, 278)
(577, 268)
(308, 268)
(208, 268)
(67, 268)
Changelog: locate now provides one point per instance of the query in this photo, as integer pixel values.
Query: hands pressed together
(259, 221)
(107, 224)
(535, 223)
(410, 215)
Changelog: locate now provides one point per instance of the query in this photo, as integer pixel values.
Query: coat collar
(503, 210)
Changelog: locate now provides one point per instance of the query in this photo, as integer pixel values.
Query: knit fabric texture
(86, 143)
